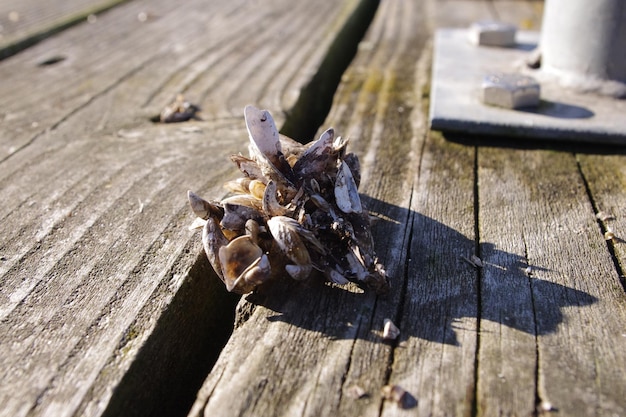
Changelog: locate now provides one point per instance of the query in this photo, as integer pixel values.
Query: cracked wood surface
(538, 328)
(108, 306)
(100, 308)
(563, 319)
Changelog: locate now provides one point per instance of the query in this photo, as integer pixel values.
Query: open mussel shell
(244, 265)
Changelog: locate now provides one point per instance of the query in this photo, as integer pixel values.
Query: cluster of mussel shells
(296, 210)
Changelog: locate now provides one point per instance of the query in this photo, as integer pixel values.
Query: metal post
(583, 43)
(578, 88)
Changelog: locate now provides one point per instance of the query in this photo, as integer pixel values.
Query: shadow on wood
(510, 142)
(436, 289)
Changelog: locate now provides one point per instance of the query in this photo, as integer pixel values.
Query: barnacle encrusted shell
(295, 210)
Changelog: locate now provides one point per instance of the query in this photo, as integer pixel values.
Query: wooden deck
(108, 306)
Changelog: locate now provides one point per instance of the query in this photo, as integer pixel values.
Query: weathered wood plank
(435, 361)
(507, 356)
(549, 335)
(27, 22)
(565, 320)
(460, 13)
(605, 177)
(440, 369)
(522, 332)
(95, 247)
(526, 15)
(303, 350)
(100, 280)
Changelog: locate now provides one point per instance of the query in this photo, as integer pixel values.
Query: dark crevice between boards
(538, 399)
(477, 249)
(67, 22)
(408, 400)
(316, 99)
(172, 364)
(610, 242)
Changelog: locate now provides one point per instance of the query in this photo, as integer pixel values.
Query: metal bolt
(491, 33)
(511, 91)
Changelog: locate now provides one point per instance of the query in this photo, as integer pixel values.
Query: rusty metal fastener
(511, 91)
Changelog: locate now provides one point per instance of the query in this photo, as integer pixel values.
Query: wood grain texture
(552, 307)
(496, 340)
(96, 255)
(605, 177)
(302, 351)
(566, 316)
(25, 23)
(434, 360)
(108, 306)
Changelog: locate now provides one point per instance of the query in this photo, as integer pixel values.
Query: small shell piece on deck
(179, 111)
(390, 330)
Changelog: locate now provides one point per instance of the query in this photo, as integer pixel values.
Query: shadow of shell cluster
(295, 210)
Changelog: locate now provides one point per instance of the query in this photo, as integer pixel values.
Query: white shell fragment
(390, 331)
(346, 193)
(286, 232)
(474, 261)
(546, 406)
(296, 210)
(262, 131)
(356, 392)
(197, 223)
(178, 111)
(477, 261)
(604, 216)
(609, 236)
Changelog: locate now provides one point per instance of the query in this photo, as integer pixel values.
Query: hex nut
(511, 91)
(492, 33)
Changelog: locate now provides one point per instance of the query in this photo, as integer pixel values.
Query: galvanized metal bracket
(459, 69)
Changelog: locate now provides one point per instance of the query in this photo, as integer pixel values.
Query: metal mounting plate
(563, 114)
